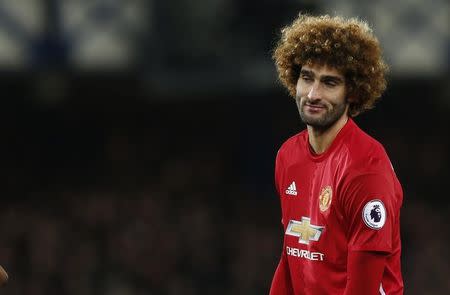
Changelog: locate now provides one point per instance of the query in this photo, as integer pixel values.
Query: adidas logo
(292, 190)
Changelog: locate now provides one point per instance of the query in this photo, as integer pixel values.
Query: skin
(321, 97)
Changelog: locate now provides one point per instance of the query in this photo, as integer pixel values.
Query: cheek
(298, 89)
(298, 101)
(301, 89)
(298, 94)
(338, 98)
(342, 96)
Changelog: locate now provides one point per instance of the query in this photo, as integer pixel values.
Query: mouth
(314, 107)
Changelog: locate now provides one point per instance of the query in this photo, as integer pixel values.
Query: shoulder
(367, 155)
(367, 165)
(361, 142)
(292, 144)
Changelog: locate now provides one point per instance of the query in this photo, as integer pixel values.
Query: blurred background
(139, 140)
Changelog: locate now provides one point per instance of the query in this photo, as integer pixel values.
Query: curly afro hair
(345, 44)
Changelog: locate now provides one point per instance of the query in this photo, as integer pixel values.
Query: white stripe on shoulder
(382, 290)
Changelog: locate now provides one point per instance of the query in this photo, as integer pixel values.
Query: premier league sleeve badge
(374, 214)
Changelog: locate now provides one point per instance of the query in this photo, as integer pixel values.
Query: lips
(314, 107)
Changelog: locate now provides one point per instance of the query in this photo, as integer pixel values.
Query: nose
(314, 92)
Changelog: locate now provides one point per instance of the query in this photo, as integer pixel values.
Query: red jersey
(346, 199)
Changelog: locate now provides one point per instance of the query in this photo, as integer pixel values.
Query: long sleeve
(281, 282)
(370, 208)
(364, 272)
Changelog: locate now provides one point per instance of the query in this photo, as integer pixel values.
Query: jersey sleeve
(278, 179)
(364, 272)
(278, 172)
(281, 282)
(370, 212)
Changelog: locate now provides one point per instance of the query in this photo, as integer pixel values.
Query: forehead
(323, 70)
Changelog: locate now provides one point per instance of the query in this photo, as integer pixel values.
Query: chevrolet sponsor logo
(306, 254)
(304, 230)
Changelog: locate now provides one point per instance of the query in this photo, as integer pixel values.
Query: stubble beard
(333, 112)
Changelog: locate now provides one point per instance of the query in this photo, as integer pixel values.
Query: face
(321, 96)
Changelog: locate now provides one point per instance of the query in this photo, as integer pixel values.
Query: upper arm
(370, 210)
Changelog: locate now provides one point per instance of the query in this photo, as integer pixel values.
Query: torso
(314, 220)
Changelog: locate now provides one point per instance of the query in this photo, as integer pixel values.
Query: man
(340, 197)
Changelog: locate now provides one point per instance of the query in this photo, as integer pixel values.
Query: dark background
(152, 172)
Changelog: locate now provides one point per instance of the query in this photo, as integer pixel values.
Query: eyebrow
(336, 79)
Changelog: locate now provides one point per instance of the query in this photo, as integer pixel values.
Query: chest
(311, 190)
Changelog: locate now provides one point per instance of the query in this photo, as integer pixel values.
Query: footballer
(340, 197)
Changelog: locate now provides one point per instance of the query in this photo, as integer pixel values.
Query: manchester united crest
(325, 198)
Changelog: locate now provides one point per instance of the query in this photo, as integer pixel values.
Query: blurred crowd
(154, 241)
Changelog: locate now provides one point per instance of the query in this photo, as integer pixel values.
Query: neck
(320, 140)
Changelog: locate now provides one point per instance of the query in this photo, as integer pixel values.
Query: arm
(364, 272)
(370, 214)
(281, 282)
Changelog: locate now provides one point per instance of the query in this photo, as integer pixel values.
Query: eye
(330, 83)
(306, 78)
